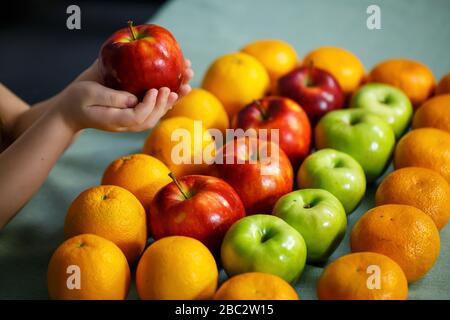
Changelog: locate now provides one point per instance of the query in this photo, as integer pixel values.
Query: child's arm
(11, 108)
(25, 164)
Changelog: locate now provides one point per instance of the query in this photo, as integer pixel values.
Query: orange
(414, 78)
(342, 64)
(113, 213)
(425, 147)
(422, 188)
(354, 277)
(141, 174)
(236, 79)
(443, 86)
(403, 233)
(278, 57)
(181, 143)
(88, 267)
(200, 104)
(434, 113)
(176, 268)
(256, 286)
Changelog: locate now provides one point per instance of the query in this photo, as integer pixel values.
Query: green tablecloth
(416, 29)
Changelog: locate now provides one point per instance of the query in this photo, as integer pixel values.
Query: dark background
(39, 56)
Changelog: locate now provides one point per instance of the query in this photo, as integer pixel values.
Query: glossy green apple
(361, 134)
(264, 243)
(318, 216)
(386, 101)
(336, 172)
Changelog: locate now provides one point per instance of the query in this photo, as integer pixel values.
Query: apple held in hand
(318, 216)
(136, 59)
(314, 89)
(264, 243)
(196, 206)
(258, 170)
(282, 114)
(336, 172)
(361, 134)
(387, 102)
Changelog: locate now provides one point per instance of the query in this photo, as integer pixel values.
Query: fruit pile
(260, 220)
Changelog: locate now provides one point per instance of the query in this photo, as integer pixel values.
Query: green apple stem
(178, 184)
(132, 30)
(263, 113)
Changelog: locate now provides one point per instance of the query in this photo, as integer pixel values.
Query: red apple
(139, 58)
(283, 114)
(260, 174)
(315, 89)
(196, 206)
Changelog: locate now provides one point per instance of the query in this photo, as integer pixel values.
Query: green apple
(361, 134)
(263, 243)
(318, 216)
(336, 172)
(386, 101)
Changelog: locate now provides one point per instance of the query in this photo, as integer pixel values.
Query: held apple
(258, 170)
(264, 243)
(363, 135)
(318, 216)
(200, 207)
(314, 89)
(138, 58)
(336, 172)
(283, 114)
(386, 101)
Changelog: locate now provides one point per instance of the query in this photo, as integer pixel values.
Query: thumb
(108, 97)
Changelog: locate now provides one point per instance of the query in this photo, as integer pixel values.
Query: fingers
(188, 74)
(103, 96)
(184, 90)
(161, 107)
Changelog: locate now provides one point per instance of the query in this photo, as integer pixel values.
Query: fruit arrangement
(263, 205)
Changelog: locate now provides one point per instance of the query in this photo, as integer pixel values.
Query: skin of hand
(26, 163)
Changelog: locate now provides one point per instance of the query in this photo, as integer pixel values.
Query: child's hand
(88, 104)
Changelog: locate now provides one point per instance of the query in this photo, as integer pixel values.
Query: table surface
(416, 29)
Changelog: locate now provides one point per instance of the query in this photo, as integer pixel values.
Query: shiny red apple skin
(258, 191)
(213, 206)
(153, 60)
(283, 114)
(315, 89)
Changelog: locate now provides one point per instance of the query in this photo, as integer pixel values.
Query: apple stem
(132, 30)
(258, 105)
(178, 184)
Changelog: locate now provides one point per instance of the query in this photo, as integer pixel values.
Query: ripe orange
(353, 277)
(443, 86)
(422, 188)
(141, 174)
(236, 79)
(403, 233)
(425, 147)
(414, 78)
(178, 142)
(434, 113)
(176, 268)
(111, 212)
(342, 64)
(98, 264)
(278, 57)
(200, 104)
(256, 286)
